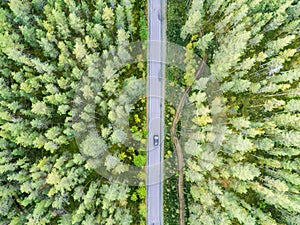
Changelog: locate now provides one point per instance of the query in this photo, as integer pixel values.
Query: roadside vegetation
(176, 17)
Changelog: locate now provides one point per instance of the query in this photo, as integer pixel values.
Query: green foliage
(143, 26)
(93, 145)
(245, 172)
(243, 153)
(176, 16)
(139, 160)
(195, 18)
(46, 47)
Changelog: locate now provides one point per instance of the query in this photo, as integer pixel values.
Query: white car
(155, 140)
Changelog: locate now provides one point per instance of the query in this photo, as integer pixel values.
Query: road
(156, 69)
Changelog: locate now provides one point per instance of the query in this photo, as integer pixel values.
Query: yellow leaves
(140, 58)
(171, 110)
(134, 197)
(202, 120)
(168, 154)
(142, 209)
(136, 118)
(287, 54)
(284, 87)
(189, 46)
(191, 64)
(48, 26)
(123, 203)
(189, 78)
(261, 57)
(42, 163)
(141, 68)
(122, 156)
(194, 37)
(271, 163)
(254, 132)
(143, 100)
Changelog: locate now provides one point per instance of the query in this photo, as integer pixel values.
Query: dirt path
(177, 145)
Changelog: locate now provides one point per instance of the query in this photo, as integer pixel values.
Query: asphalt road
(156, 52)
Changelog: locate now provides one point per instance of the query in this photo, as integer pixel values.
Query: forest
(67, 114)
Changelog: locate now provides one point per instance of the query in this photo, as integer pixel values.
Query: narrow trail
(177, 145)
